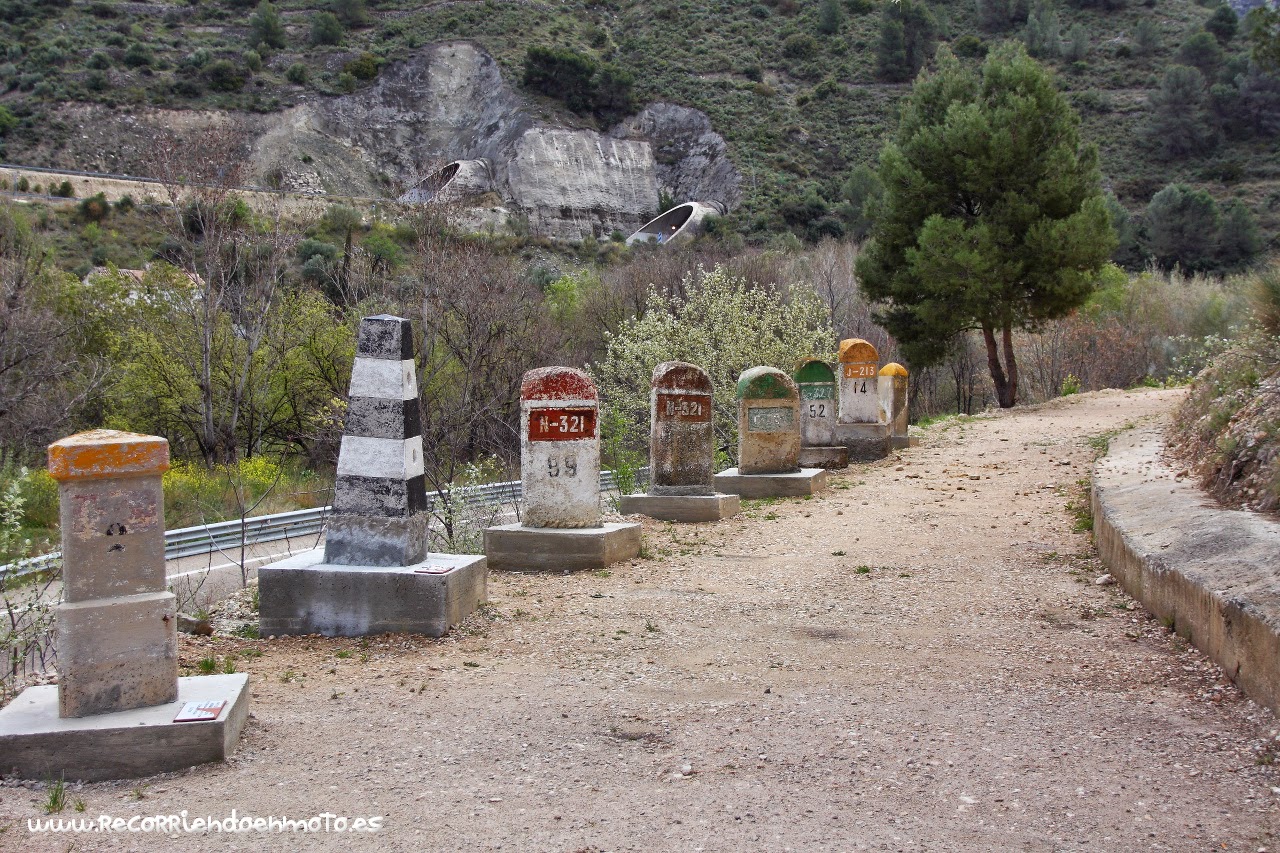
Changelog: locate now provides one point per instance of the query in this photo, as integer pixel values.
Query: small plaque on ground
(434, 570)
(200, 712)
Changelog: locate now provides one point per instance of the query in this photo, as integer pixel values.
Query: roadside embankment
(1209, 573)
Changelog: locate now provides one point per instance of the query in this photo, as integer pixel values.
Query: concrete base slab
(305, 595)
(818, 456)
(902, 442)
(806, 481)
(687, 508)
(517, 548)
(35, 743)
(865, 442)
(1209, 572)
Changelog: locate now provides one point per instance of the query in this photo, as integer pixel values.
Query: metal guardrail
(226, 535)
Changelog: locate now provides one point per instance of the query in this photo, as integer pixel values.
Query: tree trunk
(1006, 383)
(1011, 367)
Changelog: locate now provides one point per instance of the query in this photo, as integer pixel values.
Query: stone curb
(1211, 573)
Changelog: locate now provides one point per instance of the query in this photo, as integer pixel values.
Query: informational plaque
(200, 712)
(561, 424)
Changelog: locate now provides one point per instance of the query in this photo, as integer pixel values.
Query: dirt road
(919, 660)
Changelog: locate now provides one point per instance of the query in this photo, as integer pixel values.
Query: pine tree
(908, 36)
(1179, 125)
(1042, 37)
(830, 17)
(1182, 228)
(265, 26)
(1146, 36)
(1223, 24)
(992, 216)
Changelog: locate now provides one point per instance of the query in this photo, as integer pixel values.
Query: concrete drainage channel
(1209, 573)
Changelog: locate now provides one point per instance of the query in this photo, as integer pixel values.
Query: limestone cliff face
(448, 103)
(692, 159)
(571, 183)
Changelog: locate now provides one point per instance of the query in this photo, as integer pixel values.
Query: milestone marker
(860, 428)
(681, 450)
(375, 574)
(769, 440)
(893, 403)
(379, 500)
(111, 715)
(560, 526)
(818, 447)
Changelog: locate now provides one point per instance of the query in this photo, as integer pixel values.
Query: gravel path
(918, 660)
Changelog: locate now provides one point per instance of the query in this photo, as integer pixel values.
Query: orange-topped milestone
(893, 369)
(858, 351)
(102, 453)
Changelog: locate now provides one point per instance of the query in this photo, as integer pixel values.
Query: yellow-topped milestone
(102, 453)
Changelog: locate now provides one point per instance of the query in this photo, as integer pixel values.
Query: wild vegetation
(805, 93)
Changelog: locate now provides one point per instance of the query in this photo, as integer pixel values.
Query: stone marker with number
(681, 450)
(860, 428)
(818, 448)
(769, 440)
(560, 473)
(375, 573)
(893, 403)
(111, 715)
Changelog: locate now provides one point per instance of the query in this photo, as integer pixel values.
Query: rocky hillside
(370, 96)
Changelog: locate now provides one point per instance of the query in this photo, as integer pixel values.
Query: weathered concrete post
(681, 450)
(893, 403)
(375, 573)
(818, 448)
(379, 497)
(112, 713)
(117, 625)
(560, 449)
(769, 440)
(860, 428)
(560, 473)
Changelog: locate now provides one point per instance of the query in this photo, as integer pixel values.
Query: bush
(722, 324)
(1223, 24)
(1201, 51)
(125, 203)
(969, 46)
(95, 208)
(1182, 228)
(326, 29)
(363, 67)
(224, 76)
(297, 74)
(265, 27)
(252, 60)
(1146, 36)
(347, 82)
(799, 46)
(138, 56)
(63, 190)
(353, 13)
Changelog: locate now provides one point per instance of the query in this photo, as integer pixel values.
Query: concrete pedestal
(865, 442)
(35, 743)
(517, 548)
(305, 595)
(688, 508)
(832, 458)
(806, 481)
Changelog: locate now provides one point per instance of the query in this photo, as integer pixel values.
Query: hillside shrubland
(804, 93)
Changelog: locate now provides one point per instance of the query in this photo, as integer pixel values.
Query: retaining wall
(1213, 573)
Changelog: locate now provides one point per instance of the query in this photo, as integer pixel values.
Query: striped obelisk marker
(379, 497)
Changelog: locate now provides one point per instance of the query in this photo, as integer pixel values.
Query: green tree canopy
(724, 325)
(992, 216)
(265, 26)
(908, 36)
(1179, 124)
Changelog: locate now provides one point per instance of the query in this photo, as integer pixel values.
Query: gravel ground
(920, 659)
